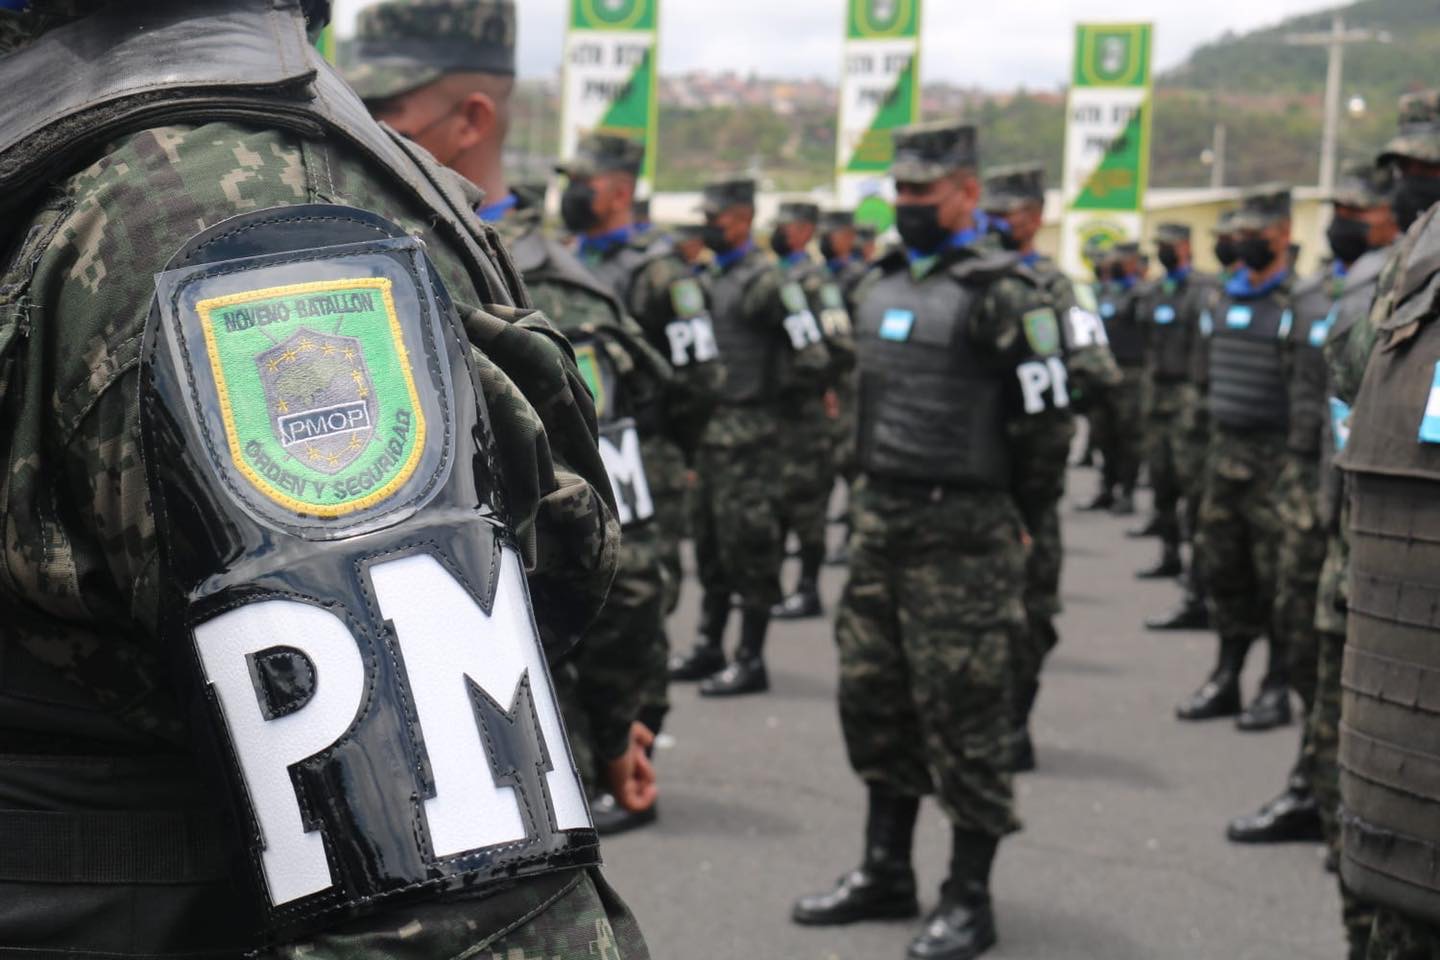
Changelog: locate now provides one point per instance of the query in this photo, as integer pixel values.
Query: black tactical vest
(619, 269)
(1354, 304)
(1247, 383)
(1122, 326)
(930, 410)
(752, 353)
(1173, 319)
(1390, 741)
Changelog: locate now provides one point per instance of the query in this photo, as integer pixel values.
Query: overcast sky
(995, 44)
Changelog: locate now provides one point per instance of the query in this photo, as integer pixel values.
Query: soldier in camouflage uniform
(658, 289)
(772, 347)
(623, 655)
(1192, 440)
(1414, 152)
(1171, 318)
(840, 246)
(1240, 525)
(80, 588)
(806, 430)
(1115, 416)
(1362, 220)
(958, 342)
(1015, 201)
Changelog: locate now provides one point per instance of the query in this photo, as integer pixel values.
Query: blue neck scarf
(1240, 286)
(1178, 275)
(599, 246)
(729, 258)
(497, 210)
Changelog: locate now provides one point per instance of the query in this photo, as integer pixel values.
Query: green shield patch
(687, 298)
(1042, 330)
(316, 391)
(794, 298)
(589, 363)
(831, 297)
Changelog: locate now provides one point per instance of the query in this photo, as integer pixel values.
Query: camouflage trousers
(1302, 554)
(1163, 464)
(574, 915)
(1036, 636)
(1395, 936)
(602, 689)
(737, 522)
(666, 472)
(923, 630)
(843, 429)
(807, 476)
(1191, 446)
(1240, 533)
(1115, 421)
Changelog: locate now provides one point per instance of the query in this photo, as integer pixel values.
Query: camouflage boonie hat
(837, 220)
(604, 153)
(1419, 134)
(1364, 186)
(1172, 233)
(1262, 206)
(1013, 187)
(403, 45)
(798, 211)
(1225, 225)
(925, 152)
(721, 195)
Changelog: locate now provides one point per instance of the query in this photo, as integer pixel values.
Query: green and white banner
(1107, 138)
(611, 80)
(880, 90)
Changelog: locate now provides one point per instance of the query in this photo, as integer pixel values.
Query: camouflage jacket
(78, 569)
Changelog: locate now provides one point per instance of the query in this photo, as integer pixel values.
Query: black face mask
(713, 236)
(827, 249)
(1006, 235)
(1169, 259)
(1255, 253)
(919, 226)
(1413, 197)
(1349, 239)
(780, 243)
(1226, 252)
(577, 208)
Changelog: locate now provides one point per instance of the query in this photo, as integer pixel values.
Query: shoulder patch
(1085, 297)
(313, 379)
(687, 298)
(589, 364)
(793, 296)
(831, 298)
(1042, 330)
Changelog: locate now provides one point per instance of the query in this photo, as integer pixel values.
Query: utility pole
(1217, 154)
(1335, 40)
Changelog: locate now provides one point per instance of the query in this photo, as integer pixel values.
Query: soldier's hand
(632, 775)
(832, 405)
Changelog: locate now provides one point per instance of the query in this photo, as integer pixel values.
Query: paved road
(1123, 855)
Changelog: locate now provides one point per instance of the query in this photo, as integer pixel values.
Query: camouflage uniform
(78, 585)
(806, 427)
(623, 658)
(1116, 414)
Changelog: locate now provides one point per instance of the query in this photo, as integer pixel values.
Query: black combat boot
(962, 926)
(747, 673)
(1269, 709)
(1191, 614)
(883, 886)
(1104, 500)
(1169, 566)
(1124, 505)
(1292, 817)
(805, 601)
(708, 656)
(1219, 696)
(1022, 748)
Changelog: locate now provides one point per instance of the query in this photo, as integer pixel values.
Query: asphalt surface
(1123, 853)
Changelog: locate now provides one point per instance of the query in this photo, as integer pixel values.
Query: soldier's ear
(481, 116)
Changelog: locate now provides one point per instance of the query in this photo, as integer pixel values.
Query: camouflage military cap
(1172, 233)
(1013, 187)
(1364, 185)
(723, 194)
(688, 232)
(798, 211)
(1125, 248)
(605, 153)
(1225, 224)
(837, 220)
(403, 45)
(1262, 206)
(925, 152)
(867, 232)
(1419, 135)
